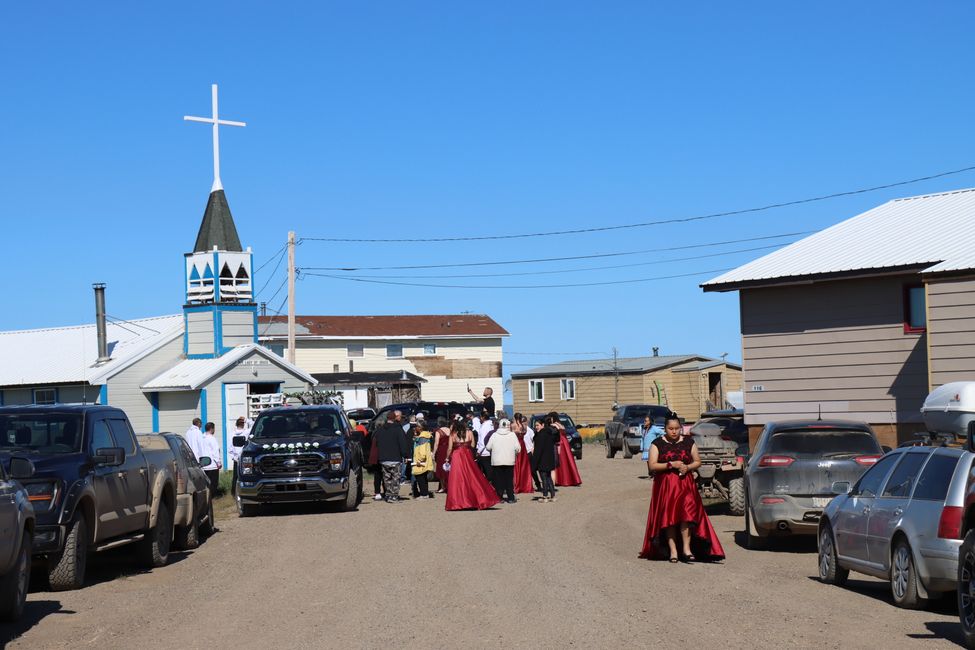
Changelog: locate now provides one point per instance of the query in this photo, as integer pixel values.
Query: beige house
(372, 360)
(587, 390)
(860, 321)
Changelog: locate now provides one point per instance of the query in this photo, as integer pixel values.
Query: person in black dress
(543, 459)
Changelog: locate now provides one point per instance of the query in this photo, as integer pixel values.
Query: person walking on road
(524, 483)
(504, 447)
(391, 452)
(467, 488)
(543, 459)
(423, 463)
(566, 472)
(676, 511)
(211, 449)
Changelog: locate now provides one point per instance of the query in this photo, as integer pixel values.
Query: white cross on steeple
(216, 122)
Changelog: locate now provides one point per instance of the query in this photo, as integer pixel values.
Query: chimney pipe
(656, 352)
(100, 326)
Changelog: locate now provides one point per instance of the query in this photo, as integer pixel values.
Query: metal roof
(606, 366)
(930, 233)
(61, 355)
(381, 327)
(191, 374)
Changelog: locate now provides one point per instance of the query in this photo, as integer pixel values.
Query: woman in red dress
(467, 489)
(440, 442)
(676, 510)
(566, 473)
(523, 463)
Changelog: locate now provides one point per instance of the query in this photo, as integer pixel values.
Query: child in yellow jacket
(423, 464)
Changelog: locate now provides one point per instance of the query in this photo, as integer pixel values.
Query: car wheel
(188, 537)
(14, 585)
(158, 539)
(352, 494)
(610, 452)
(966, 588)
(210, 525)
(67, 571)
(736, 496)
(245, 509)
(830, 571)
(903, 577)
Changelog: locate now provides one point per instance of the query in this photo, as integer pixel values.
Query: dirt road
(528, 574)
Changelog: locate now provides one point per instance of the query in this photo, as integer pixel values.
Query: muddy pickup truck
(93, 487)
(623, 431)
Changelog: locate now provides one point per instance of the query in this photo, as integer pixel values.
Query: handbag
(446, 466)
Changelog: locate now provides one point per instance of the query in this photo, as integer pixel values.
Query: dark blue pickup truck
(295, 454)
(93, 486)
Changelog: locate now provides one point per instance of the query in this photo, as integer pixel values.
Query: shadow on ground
(34, 612)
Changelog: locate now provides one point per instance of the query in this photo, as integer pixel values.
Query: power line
(271, 274)
(554, 259)
(713, 215)
(577, 270)
(271, 259)
(516, 286)
(281, 286)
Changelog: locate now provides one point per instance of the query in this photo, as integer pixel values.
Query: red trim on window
(908, 328)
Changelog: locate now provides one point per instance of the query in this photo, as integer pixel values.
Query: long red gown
(675, 500)
(523, 470)
(440, 458)
(467, 489)
(566, 474)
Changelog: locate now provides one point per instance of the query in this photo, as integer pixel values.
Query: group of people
(478, 461)
(203, 443)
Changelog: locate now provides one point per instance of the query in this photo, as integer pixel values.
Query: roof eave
(795, 280)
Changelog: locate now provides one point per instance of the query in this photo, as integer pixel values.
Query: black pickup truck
(93, 486)
(299, 454)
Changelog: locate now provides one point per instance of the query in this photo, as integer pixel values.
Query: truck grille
(291, 464)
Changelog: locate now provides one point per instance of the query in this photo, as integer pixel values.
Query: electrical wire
(280, 251)
(516, 286)
(281, 286)
(555, 259)
(645, 224)
(270, 276)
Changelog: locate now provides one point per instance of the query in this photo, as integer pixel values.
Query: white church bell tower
(219, 311)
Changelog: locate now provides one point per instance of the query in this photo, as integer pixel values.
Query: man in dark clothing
(391, 441)
(487, 404)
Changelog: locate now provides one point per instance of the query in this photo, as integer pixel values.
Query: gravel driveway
(528, 574)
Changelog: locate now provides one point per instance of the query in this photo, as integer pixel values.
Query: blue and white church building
(166, 370)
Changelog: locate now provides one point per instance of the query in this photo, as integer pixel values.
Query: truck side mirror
(110, 456)
(239, 441)
(21, 468)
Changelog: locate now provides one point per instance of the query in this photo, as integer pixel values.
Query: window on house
(355, 350)
(45, 395)
(915, 309)
(568, 389)
(536, 390)
(394, 350)
(277, 349)
(429, 348)
(335, 367)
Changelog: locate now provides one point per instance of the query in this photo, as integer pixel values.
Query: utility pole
(291, 296)
(616, 378)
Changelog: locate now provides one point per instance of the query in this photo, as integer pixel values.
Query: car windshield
(567, 421)
(706, 429)
(824, 443)
(297, 423)
(48, 433)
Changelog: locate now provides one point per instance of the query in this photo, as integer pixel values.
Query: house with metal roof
(587, 390)
(378, 360)
(862, 319)
(203, 363)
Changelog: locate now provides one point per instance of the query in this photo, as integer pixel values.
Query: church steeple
(219, 311)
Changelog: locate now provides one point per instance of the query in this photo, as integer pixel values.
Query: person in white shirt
(211, 448)
(484, 430)
(504, 448)
(194, 438)
(241, 428)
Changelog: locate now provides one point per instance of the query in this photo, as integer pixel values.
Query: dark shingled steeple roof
(218, 227)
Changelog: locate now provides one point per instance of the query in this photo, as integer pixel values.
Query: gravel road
(528, 574)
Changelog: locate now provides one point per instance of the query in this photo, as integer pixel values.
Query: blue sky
(421, 119)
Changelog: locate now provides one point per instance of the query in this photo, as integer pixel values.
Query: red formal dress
(675, 500)
(467, 489)
(440, 458)
(566, 474)
(523, 470)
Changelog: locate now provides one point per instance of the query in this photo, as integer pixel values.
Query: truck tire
(14, 585)
(966, 588)
(627, 452)
(245, 509)
(610, 452)
(188, 537)
(158, 539)
(352, 494)
(67, 570)
(210, 525)
(736, 496)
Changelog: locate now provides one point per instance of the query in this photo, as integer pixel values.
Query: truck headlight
(247, 465)
(42, 494)
(335, 460)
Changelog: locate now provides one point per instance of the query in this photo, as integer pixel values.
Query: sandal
(690, 558)
(673, 560)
